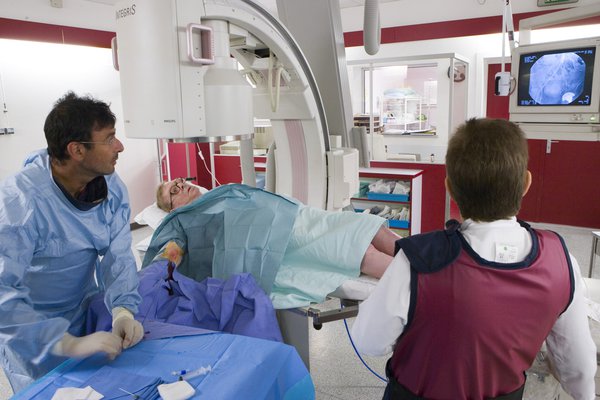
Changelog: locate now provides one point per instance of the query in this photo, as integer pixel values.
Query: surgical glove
(126, 327)
(84, 346)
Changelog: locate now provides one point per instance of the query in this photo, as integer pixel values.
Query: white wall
(35, 75)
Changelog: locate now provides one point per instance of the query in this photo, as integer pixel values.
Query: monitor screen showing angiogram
(556, 77)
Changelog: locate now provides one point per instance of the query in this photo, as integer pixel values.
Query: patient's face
(180, 193)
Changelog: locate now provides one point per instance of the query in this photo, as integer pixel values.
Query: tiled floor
(337, 372)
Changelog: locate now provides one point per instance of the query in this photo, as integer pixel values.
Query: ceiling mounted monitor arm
(503, 80)
(555, 18)
(508, 28)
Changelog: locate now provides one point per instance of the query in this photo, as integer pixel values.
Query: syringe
(192, 374)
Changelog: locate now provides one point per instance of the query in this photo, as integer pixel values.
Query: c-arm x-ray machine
(179, 82)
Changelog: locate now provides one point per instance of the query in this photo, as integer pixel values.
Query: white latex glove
(81, 347)
(126, 327)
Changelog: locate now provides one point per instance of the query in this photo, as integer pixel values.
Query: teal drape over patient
(298, 254)
(231, 229)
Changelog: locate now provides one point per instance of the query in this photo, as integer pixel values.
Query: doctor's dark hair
(486, 166)
(73, 119)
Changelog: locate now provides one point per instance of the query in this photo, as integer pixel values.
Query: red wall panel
(570, 192)
(530, 205)
(229, 167)
(35, 31)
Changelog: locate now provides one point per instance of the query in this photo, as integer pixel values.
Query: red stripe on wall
(35, 31)
(449, 29)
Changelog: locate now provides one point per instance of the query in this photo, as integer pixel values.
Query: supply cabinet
(393, 193)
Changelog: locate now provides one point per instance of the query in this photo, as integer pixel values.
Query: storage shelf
(411, 201)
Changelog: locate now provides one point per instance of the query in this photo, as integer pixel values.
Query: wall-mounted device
(459, 72)
(557, 82)
(502, 81)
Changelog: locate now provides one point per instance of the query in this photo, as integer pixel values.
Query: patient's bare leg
(385, 240)
(375, 262)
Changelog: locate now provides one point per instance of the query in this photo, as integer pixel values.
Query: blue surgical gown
(53, 259)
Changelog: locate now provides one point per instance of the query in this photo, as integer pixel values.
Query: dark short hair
(486, 166)
(74, 118)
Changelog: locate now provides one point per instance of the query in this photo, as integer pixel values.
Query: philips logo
(125, 12)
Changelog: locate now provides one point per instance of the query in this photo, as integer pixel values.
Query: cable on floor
(358, 354)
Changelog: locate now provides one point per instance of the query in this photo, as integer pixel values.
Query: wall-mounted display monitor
(557, 82)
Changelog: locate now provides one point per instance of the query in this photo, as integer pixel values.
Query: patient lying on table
(298, 254)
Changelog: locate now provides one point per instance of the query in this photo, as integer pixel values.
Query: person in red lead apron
(465, 310)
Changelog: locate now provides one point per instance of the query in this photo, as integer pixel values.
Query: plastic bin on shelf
(398, 223)
(387, 196)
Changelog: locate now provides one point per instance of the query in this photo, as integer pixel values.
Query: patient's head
(176, 193)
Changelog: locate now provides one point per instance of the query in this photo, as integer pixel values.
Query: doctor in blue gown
(64, 236)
